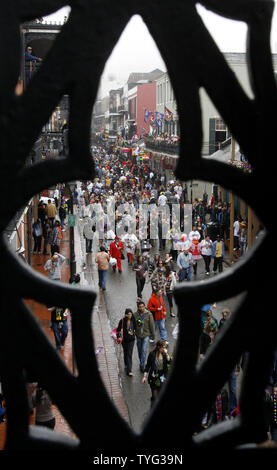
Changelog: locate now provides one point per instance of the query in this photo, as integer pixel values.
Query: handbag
(112, 261)
(114, 334)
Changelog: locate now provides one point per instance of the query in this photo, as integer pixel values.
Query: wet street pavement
(129, 395)
(121, 293)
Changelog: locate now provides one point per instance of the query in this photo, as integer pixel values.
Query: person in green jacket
(144, 329)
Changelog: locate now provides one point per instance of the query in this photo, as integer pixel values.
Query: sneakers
(172, 314)
(151, 341)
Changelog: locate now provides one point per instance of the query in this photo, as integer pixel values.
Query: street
(121, 293)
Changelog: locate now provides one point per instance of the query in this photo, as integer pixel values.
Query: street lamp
(232, 211)
(71, 222)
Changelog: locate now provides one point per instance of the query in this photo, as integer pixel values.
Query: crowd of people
(170, 257)
(162, 262)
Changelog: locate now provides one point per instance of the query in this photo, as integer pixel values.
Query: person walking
(127, 326)
(217, 254)
(141, 270)
(194, 233)
(59, 325)
(243, 238)
(37, 235)
(41, 212)
(102, 260)
(130, 242)
(196, 253)
(53, 266)
(51, 212)
(144, 327)
(206, 252)
(55, 238)
(236, 232)
(184, 263)
(211, 325)
(116, 249)
(156, 307)
(171, 282)
(158, 281)
(225, 316)
(62, 215)
(44, 411)
(46, 231)
(219, 410)
(156, 368)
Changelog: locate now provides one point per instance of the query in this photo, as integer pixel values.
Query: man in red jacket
(156, 307)
(116, 248)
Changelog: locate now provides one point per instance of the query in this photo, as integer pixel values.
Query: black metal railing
(162, 146)
(192, 387)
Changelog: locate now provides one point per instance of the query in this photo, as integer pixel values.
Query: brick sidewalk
(106, 357)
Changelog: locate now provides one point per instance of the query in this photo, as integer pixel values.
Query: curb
(105, 349)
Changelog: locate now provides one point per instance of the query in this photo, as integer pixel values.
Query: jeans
(88, 245)
(45, 245)
(242, 245)
(218, 262)
(37, 243)
(185, 273)
(128, 353)
(60, 330)
(161, 325)
(140, 285)
(142, 345)
(169, 296)
(207, 260)
(102, 275)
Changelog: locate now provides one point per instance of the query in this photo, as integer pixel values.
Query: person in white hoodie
(206, 252)
(194, 233)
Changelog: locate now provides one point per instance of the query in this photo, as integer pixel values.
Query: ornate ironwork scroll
(74, 66)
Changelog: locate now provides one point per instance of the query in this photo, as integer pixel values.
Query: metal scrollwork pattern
(74, 66)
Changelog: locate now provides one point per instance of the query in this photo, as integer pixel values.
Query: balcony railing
(30, 68)
(162, 146)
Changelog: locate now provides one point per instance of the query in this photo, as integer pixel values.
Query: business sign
(71, 220)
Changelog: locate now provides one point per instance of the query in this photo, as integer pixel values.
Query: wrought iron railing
(74, 66)
(162, 146)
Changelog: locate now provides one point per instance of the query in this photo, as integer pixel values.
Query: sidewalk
(105, 349)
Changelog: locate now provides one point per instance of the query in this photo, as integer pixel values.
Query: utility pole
(249, 227)
(232, 212)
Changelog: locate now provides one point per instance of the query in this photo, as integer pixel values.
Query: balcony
(162, 146)
(122, 109)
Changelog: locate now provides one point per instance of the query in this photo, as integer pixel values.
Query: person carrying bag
(126, 335)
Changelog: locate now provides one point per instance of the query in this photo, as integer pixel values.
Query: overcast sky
(136, 51)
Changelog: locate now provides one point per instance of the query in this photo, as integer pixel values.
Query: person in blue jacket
(30, 63)
(218, 254)
(29, 57)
